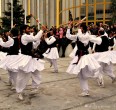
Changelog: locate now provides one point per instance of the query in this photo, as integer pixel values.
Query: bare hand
(80, 21)
(69, 24)
(43, 28)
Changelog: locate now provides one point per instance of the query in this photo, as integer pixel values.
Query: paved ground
(59, 92)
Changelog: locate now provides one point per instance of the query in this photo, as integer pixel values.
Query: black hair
(35, 29)
(1, 31)
(48, 34)
(101, 32)
(22, 28)
(5, 36)
(54, 31)
(6, 30)
(84, 27)
(14, 31)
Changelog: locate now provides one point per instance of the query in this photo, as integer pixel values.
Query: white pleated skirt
(53, 54)
(72, 54)
(2, 55)
(87, 63)
(107, 57)
(22, 62)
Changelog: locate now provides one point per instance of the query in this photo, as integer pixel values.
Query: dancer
(105, 58)
(52, 53)
(83, 64)
(12, 46)
(112, 41)
(29, 66)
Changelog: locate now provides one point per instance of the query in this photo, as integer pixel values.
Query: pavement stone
(59, 91)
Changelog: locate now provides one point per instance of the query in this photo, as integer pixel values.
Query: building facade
(45, 10)
(56, 12)
(94, 10)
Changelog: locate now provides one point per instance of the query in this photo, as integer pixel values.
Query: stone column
(52, 12)
(63, 12)
(0, 8)
(41, 11)
(47, 13)
(67, 11)
(38, 11)
(32, 12)
(6, 6)
(44, 12)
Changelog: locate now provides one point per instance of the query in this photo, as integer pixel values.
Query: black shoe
(63, 56)
(114, 80)
(51, 64)
(56, 71)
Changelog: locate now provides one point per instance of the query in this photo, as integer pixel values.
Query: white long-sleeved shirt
(114, 40)
(35, 44)
(96, 40)
(50, 40)
(84, 38)
(8, 43)
(25, 39)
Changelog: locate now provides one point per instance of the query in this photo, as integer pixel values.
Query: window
(77, 13)
(90, 1)
(108, 0)
(91, 12)
(108, 12)
(83, 11)
(83, 1)
(99, 12)
(98, 1)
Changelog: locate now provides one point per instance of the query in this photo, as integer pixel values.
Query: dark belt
(80, 53)
(50, 49)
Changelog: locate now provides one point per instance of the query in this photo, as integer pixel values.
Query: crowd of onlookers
(60, 34)
(63, 42)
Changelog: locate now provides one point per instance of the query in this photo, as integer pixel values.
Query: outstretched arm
(30, 38)
(95, 39)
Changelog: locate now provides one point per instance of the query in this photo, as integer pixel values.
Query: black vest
(26, 49)
(53, 44)
(111, 41)
(81, 48)
(103, 46)
(14, 50)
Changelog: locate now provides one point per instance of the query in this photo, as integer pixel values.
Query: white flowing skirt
(2, 55)
(53, 54)
(107, 57)
(22, 62)
(86, 63)
(72, 54)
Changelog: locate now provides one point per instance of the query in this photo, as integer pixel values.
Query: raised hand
(69, 24)
(43, 27)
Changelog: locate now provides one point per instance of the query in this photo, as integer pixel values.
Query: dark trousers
(63, 43)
